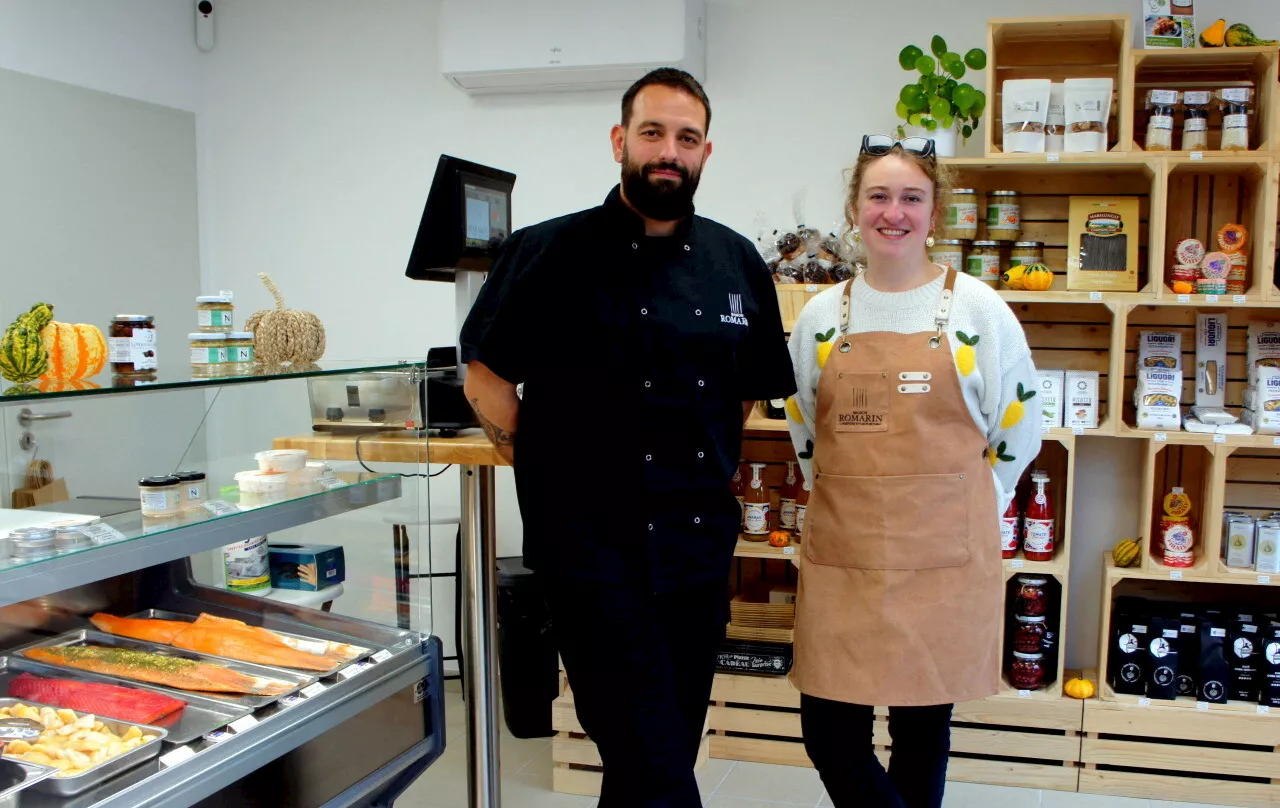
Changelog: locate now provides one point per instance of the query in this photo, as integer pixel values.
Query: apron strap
(844, 307)
(943, 315)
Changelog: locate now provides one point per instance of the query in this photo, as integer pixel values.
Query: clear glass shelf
(177, 376)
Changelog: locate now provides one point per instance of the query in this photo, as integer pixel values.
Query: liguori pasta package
(1160, 349)
(1102, 244)
(1157, 398)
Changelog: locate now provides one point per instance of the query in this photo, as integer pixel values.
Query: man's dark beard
(660, 199)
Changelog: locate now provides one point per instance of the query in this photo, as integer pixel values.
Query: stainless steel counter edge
(221, 765)
(56, 574)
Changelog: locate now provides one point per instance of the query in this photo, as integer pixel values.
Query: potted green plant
(938, 103)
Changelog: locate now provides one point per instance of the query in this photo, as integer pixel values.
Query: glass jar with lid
(949, 253)
(240, 356)
(1026, 253)
(131, 344)
(32, 543)
(208, 354)
(1004, 215)
(983, 262)
(1028, 634)
(214, 313)
(960, 218)
(192, 489)
(159, 495)
(1027, 671)
(1032, 599)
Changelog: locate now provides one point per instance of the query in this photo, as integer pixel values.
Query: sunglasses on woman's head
(880, 145)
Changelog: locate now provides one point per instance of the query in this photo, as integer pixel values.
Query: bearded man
(642, 335)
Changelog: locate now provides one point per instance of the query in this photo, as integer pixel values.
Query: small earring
(857, 236)
(929, 242)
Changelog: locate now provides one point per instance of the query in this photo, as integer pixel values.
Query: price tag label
(1202, 705)
(1264, 709)
(1239, 299)
(354, 671)
(1264, 579)
(1275, 441)
(243, 724)
(179, 755)
(1160, 437)
(1197, 155)
(1077, 430)
(1016, 564)
(1095, 295)
(811, 287)
(1024, 694)
(1175, 575)
(1184, 298)
(329, 482)
(1144, 702)
(99, 533)
(1051, 157)
(381, 656)
(314, 689)
(1044, 428)
(220, 507)
(290, 701)
(217, 736)
(1219, 438)
(788, 551)
(1210, 298)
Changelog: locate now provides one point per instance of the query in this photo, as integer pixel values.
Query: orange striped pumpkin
(75, 351)
(47, 385)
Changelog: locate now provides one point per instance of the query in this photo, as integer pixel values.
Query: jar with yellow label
(1004, 215)
(949, 253)
(960, 219)
(1026, 253)
(239, 353)
(208, 355)
(983, 262)
(214, 313)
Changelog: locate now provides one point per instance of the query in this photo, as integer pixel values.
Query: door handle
(26, 416)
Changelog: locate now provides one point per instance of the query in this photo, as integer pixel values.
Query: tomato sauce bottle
(1037, 540)
(1009, 530)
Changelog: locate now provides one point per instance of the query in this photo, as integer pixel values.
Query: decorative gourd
(1079, 688)
(1013, 277)
(23, 356)
(1215, 35)
(283, 335)
(1037, 278)
(75, 351)
(779, 538)
(1126, 552)
(52, 385)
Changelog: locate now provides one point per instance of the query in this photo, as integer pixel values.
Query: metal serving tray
(201, 716)
(296, 681)
(95, 775)
(364, 653)
(34, 774)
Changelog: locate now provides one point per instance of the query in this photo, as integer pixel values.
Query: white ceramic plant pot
(944, 140)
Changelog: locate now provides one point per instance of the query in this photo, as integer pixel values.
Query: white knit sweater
(978, 317)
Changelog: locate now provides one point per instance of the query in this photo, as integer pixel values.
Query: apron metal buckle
(935, 341)
(845, 347)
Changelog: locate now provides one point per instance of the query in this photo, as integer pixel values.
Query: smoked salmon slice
(339, 652)
(111, 701)
(182, 674)
(159, 631)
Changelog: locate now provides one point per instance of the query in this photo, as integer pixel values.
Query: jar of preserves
(159, 495)
(1032, 599)
(192, 489)
(1028, 635)
(240, 355)
(214, 313)
(983, 262)
(960, 219)
(1027, 672)
(131, 344)
(208, 354)
(1004, 215)
(1026, 253)
(949, 253)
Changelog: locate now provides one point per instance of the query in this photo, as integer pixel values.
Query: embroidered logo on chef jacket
(735, 315)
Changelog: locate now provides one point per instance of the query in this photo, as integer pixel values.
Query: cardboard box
(1102, 244)
(1168, 23)
(1211, 360)
(1049, 397)
(306, 567)
(1080, 396)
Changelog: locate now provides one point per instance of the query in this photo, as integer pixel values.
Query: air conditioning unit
(519, 46)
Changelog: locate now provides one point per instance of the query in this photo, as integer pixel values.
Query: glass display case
(266, 573)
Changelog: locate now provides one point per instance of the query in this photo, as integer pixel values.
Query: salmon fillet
(247, 646)
(183, 674)
(160, 631)
(338, 653)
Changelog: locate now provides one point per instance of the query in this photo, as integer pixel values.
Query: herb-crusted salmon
(183, 674)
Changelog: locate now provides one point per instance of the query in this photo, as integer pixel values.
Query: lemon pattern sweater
(992, 360)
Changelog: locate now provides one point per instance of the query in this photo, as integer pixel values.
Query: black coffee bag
(1129, 651)
(1162, 657)
(1215, 672)
(1245, 657)
(1270, 693)
(1188, 654)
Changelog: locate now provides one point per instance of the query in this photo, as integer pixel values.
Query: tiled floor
(526, 782)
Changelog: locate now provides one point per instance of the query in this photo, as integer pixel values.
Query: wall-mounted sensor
(204, 25)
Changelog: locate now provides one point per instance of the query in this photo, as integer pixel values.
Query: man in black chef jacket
(642, 334)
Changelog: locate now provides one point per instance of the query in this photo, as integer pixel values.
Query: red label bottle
(1037, 538)
(1009, 530)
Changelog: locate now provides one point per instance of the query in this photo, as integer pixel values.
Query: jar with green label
(239, 353)
(1026, 253)
(949, 253)
(1004, 215)
(214, 313)
(960, 219)
(983, 262)
(208, 354)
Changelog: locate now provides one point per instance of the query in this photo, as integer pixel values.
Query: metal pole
(480, 662)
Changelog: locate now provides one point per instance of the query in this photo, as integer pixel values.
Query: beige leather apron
(901, 587)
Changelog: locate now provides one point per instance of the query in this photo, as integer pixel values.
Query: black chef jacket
(636, 354)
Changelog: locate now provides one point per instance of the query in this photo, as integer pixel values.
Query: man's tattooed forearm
(497, 435)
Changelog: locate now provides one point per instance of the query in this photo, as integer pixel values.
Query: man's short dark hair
(671, 77)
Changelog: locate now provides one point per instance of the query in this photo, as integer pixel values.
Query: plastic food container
(70, 539)
(159, 495)
(262, 482)
(307, 475)
(282, 460)
(32, 543)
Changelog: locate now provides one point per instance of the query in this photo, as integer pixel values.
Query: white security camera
(204, 25)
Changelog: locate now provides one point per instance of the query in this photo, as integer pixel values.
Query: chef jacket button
(648, 457)
(635, 246)
(648, 384)
(697, 520)
(701, 383)
(698, 312)
(700, 455)
(651, 525)
(644, 311)
(687, 248)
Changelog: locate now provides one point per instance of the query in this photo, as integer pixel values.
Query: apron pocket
(912, 522)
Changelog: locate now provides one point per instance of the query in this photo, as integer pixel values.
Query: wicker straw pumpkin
(283, 335)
